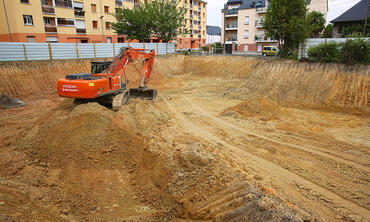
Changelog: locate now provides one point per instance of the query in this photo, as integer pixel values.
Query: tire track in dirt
(279, 174)
(306, 148)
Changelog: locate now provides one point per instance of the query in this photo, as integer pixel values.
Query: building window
(31, 38)
(121, 39)
(246, 34)
(95, 24)
(47, 21)
(246, 20)
(106, 9)
(107, 25)
(25, 1)
(109, 39)
(93, 7)
(27, 19)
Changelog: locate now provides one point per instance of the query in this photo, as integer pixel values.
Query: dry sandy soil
(227, 139)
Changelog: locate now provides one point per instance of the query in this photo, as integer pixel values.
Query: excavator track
(120, 99)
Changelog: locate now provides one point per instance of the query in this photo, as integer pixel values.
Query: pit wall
(332, 87)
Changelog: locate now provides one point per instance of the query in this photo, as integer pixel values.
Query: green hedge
(350, 52)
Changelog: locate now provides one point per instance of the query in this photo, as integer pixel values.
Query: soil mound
(261, 108)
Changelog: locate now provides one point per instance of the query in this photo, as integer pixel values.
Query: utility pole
(367, 15)
(7, 21)
(101, 20)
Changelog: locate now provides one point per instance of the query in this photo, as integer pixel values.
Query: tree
(328, 31)
(169, 19)
(161, 19)
(317, 23)
(134, 24)
(286, 22)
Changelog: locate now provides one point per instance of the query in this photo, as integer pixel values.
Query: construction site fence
(19, 51)
(308, 43)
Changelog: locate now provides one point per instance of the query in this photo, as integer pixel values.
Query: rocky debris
(6, 102)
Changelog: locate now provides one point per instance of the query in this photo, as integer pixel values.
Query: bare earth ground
(201, 152)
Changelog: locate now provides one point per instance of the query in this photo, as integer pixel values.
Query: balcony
(259, 24)
(48, 9)
(231, 26)
(262, 38)
(51, 30)
(64, 22)
(231, 40)
(79, 13)
(231, 12)
(261, 10)
(81, 31)
(63, 3)
(118, 2)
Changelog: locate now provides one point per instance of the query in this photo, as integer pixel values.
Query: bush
(356, 51)
(325, 52)
(205, 48)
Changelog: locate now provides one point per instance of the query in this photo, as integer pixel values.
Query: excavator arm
(128, 55)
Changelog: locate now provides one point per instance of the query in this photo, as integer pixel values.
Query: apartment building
(83, 21)
(242, 23)
(196, 22)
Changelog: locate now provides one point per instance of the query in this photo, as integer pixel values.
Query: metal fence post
(94, 51)
(128, 44)
(77, 52)
(50, 52)
(24, 51)
(157, 48)
(166, 48)
(114, 51)
(144, 45)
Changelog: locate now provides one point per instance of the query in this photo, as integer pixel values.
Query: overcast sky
(336, 8)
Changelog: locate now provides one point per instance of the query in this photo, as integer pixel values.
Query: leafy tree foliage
(328, 31)
(316, 23)
(134, 24)
(161, 19)
(286, 22)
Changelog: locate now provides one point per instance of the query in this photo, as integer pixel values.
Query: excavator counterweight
(107, 82)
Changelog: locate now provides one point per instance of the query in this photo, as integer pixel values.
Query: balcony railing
(79, 13)
(119, 2)
(232, 25)
(261, 10)
(48, 9)
(231, 11)
(259, 23)
(262, 38)
(51, 29)
(64, 4)
(81, 31)
(234, 38)
(63, 22)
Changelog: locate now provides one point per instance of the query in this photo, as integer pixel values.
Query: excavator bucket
(144, 94)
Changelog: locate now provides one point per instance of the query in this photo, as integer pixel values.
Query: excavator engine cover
(144, 94)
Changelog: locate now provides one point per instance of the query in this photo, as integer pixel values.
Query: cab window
(267, 48)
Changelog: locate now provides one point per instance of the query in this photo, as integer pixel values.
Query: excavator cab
(99, 67)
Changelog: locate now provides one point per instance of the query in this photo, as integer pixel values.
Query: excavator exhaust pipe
(144, 94)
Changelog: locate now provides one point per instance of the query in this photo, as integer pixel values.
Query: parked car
(270, 50)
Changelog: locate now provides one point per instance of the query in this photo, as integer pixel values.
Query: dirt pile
(261, 108)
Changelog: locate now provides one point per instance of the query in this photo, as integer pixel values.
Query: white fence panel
(308, 43)
(86, 50)
(151, 46)
(18, 51)
(118, 47)
(104, 50)
(37, 51)
(11, 51)
(64, 51)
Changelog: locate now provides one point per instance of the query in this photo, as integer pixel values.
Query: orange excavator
(107, 82)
